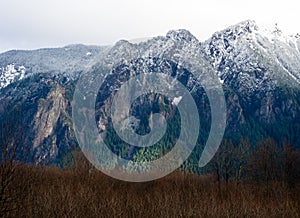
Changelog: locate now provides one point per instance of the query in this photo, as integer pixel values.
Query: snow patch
(176, 100)
(10, 74)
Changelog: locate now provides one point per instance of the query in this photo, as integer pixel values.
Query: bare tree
(290, 162)
(223, 164)
(241, 154)
(11, 145)
(264, 164)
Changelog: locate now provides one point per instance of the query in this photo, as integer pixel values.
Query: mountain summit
(258, 68)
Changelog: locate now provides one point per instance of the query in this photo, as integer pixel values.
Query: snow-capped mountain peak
(237, 51)
(259, 69)
(244, 48)
(181, 35)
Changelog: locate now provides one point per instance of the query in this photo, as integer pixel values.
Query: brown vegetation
(53, 192)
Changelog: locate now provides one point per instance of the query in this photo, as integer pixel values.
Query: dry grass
(52, 192)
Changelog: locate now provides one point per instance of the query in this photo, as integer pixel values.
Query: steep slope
(255, 56)
(67, 61)
(261, 66)
(35, 87)
(259, 69)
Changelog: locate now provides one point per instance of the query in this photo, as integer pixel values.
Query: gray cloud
(26, 24)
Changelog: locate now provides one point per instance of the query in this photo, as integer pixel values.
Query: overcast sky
(28, 24)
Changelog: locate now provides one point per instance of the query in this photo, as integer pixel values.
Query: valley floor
(53, 192)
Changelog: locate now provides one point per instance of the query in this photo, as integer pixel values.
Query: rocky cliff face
(260, 66)
(49, 111)
(259, 70)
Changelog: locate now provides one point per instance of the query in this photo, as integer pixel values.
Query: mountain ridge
(259, 74)
(243, 28)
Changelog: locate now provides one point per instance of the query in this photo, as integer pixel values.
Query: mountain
(259, 70)
(34, 85)
(261, 66)
(67, 61)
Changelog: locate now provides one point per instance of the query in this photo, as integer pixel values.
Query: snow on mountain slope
(259, 70)
(10, 74)
(246, 55)
(67, 61)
